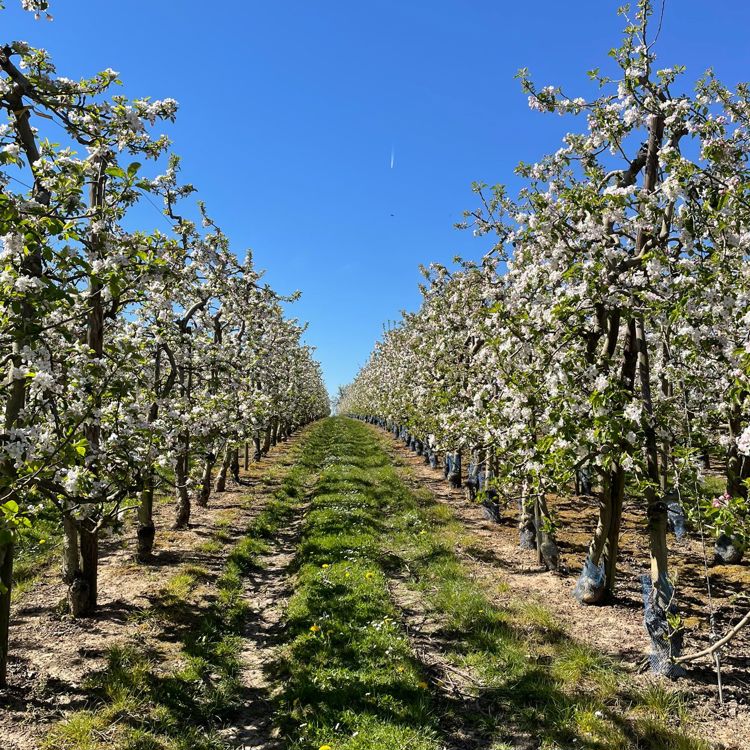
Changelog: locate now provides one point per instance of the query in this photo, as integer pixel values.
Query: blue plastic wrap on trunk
(665, 643)
(591, 583)
(728, 550)
(583, 478)
(454, 469)
(472, 480)
(482, 478)
(676, 519)
(491, 505)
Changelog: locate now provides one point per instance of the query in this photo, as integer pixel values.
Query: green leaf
(115, 172)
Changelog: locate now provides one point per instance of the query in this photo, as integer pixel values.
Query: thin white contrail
(393, 157)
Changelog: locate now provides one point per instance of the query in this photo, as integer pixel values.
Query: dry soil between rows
(267, 591)
(51, 654)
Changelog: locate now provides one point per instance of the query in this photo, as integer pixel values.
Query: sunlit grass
(351, 679)
(180, 586)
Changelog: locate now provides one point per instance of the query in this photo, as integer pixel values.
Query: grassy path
(347, 620)
(391, 643)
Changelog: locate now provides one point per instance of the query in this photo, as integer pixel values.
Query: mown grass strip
(140, 706)
(351, 681)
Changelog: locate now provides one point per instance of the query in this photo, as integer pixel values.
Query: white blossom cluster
(743, 442)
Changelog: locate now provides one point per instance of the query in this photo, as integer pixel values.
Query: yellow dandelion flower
(314, 628)
(325, 747)
(369, 575)
(422, 685)
(325, 565)
(346, 575)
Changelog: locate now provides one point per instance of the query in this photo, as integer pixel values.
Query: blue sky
(290, 112)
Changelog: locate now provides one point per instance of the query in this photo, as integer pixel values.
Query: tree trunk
(267, 440)
(476, 465)
(182, 516)
(591, 587)
(204, 489)
(146, 529)
(257, 448)
(6, 582)
(182, 465)
(89, 539)
(538, 529)
(234, 465)
(455, 477)
(617, 477)
(547, 550)
(598, 542)
(526, 526)
(274, 431)
(82, 592)
(71, 563)
(247, 455)
(221, 479)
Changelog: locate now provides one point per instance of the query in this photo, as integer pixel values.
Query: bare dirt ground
(508, 572)
(52, 654)
(267, 590)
